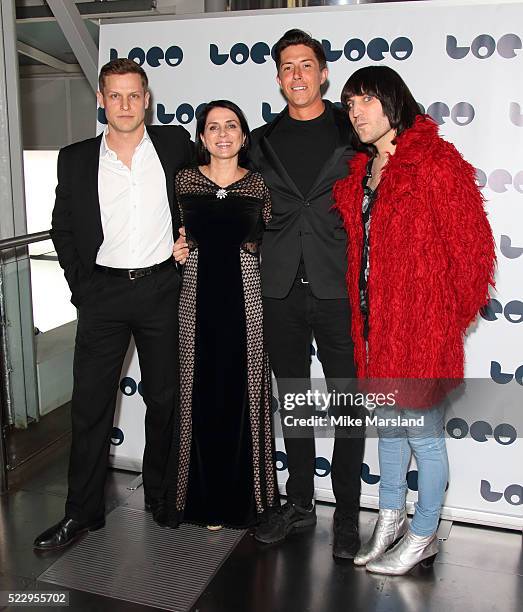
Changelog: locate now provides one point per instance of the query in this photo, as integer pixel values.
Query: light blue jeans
(427, 442)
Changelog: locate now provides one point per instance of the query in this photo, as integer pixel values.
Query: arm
(458, 208)
(185, 144)
(254, 240)
(267, 207)
(180, 248)
(61, 225)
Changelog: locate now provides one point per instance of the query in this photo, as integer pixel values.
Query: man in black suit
(112, 228)
(300, 155)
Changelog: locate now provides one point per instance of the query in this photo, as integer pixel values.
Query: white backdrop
(463, 63)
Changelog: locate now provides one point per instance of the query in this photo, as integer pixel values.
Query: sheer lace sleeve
(251, 247)
(259, 190)
(177, 197)
(180, 187)
(267, 207)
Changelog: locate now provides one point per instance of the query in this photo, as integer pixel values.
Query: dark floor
(24, 444)
(477, 569)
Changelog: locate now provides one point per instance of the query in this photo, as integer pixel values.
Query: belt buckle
(134, 274)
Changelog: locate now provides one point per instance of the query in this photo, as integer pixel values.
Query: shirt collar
(108, 153)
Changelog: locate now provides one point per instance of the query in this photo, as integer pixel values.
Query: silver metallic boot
(410, 551)
(389, 528)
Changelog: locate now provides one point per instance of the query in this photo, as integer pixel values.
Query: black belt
(134, 273)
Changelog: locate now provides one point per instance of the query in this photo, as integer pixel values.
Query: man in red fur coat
(421, 258)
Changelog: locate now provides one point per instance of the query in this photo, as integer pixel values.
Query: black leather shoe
(65, 533)
(280, 523)
(346, 539)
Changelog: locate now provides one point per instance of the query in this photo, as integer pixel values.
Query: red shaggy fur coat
(431, 258)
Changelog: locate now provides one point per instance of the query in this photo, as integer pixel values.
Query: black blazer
(303, 224)
(76, 228)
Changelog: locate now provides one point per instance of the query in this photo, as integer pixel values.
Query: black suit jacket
(76, 228)
(303, 224)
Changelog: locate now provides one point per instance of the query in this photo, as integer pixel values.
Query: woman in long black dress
(224, 466)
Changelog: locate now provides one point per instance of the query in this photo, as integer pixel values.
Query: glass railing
(35, 396)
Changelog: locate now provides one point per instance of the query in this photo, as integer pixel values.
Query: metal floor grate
(136, 560)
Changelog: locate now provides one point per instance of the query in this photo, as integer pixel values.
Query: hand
(181, 248)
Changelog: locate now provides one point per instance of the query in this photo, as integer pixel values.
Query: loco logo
(314, 352)
(461, 114)
(117, 436)
(504, 433)
(153, 57)
(101, 118)
(184, 114)
(322, 468)
(240, 53)
(484, 45)
(502, 378)
(269, 115)
(515, 114)
(506, 248)
(354, 50)
(281, 461)
(513, 311)
(371, 479)
(499, 179)
(513, 494)
(367, 476)
(129, 387)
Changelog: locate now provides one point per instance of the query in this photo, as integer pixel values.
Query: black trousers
(115, 309)
(290, 323)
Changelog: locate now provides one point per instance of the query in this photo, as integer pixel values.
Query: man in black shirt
(300, 155)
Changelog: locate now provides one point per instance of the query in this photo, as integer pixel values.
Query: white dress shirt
(136, 219)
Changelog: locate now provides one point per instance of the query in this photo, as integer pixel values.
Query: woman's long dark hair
(399, 105)
(202, 155)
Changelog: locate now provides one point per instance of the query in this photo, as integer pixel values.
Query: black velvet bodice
(218, 218)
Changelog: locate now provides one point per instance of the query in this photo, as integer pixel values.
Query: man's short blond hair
(121, 65)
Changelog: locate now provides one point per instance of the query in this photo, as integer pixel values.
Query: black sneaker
(346, 539)
(289, 518)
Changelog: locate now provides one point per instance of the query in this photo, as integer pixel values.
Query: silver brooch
(221, 193)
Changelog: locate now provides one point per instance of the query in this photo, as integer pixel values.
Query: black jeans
(114, 309)
(290, 323)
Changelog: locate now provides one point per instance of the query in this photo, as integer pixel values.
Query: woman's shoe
(410, 551)
(214, 527)
(390, 527)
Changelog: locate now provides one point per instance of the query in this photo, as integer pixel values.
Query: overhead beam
(78, 37)
(44, 58)
(32, 70)
(88, 10)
